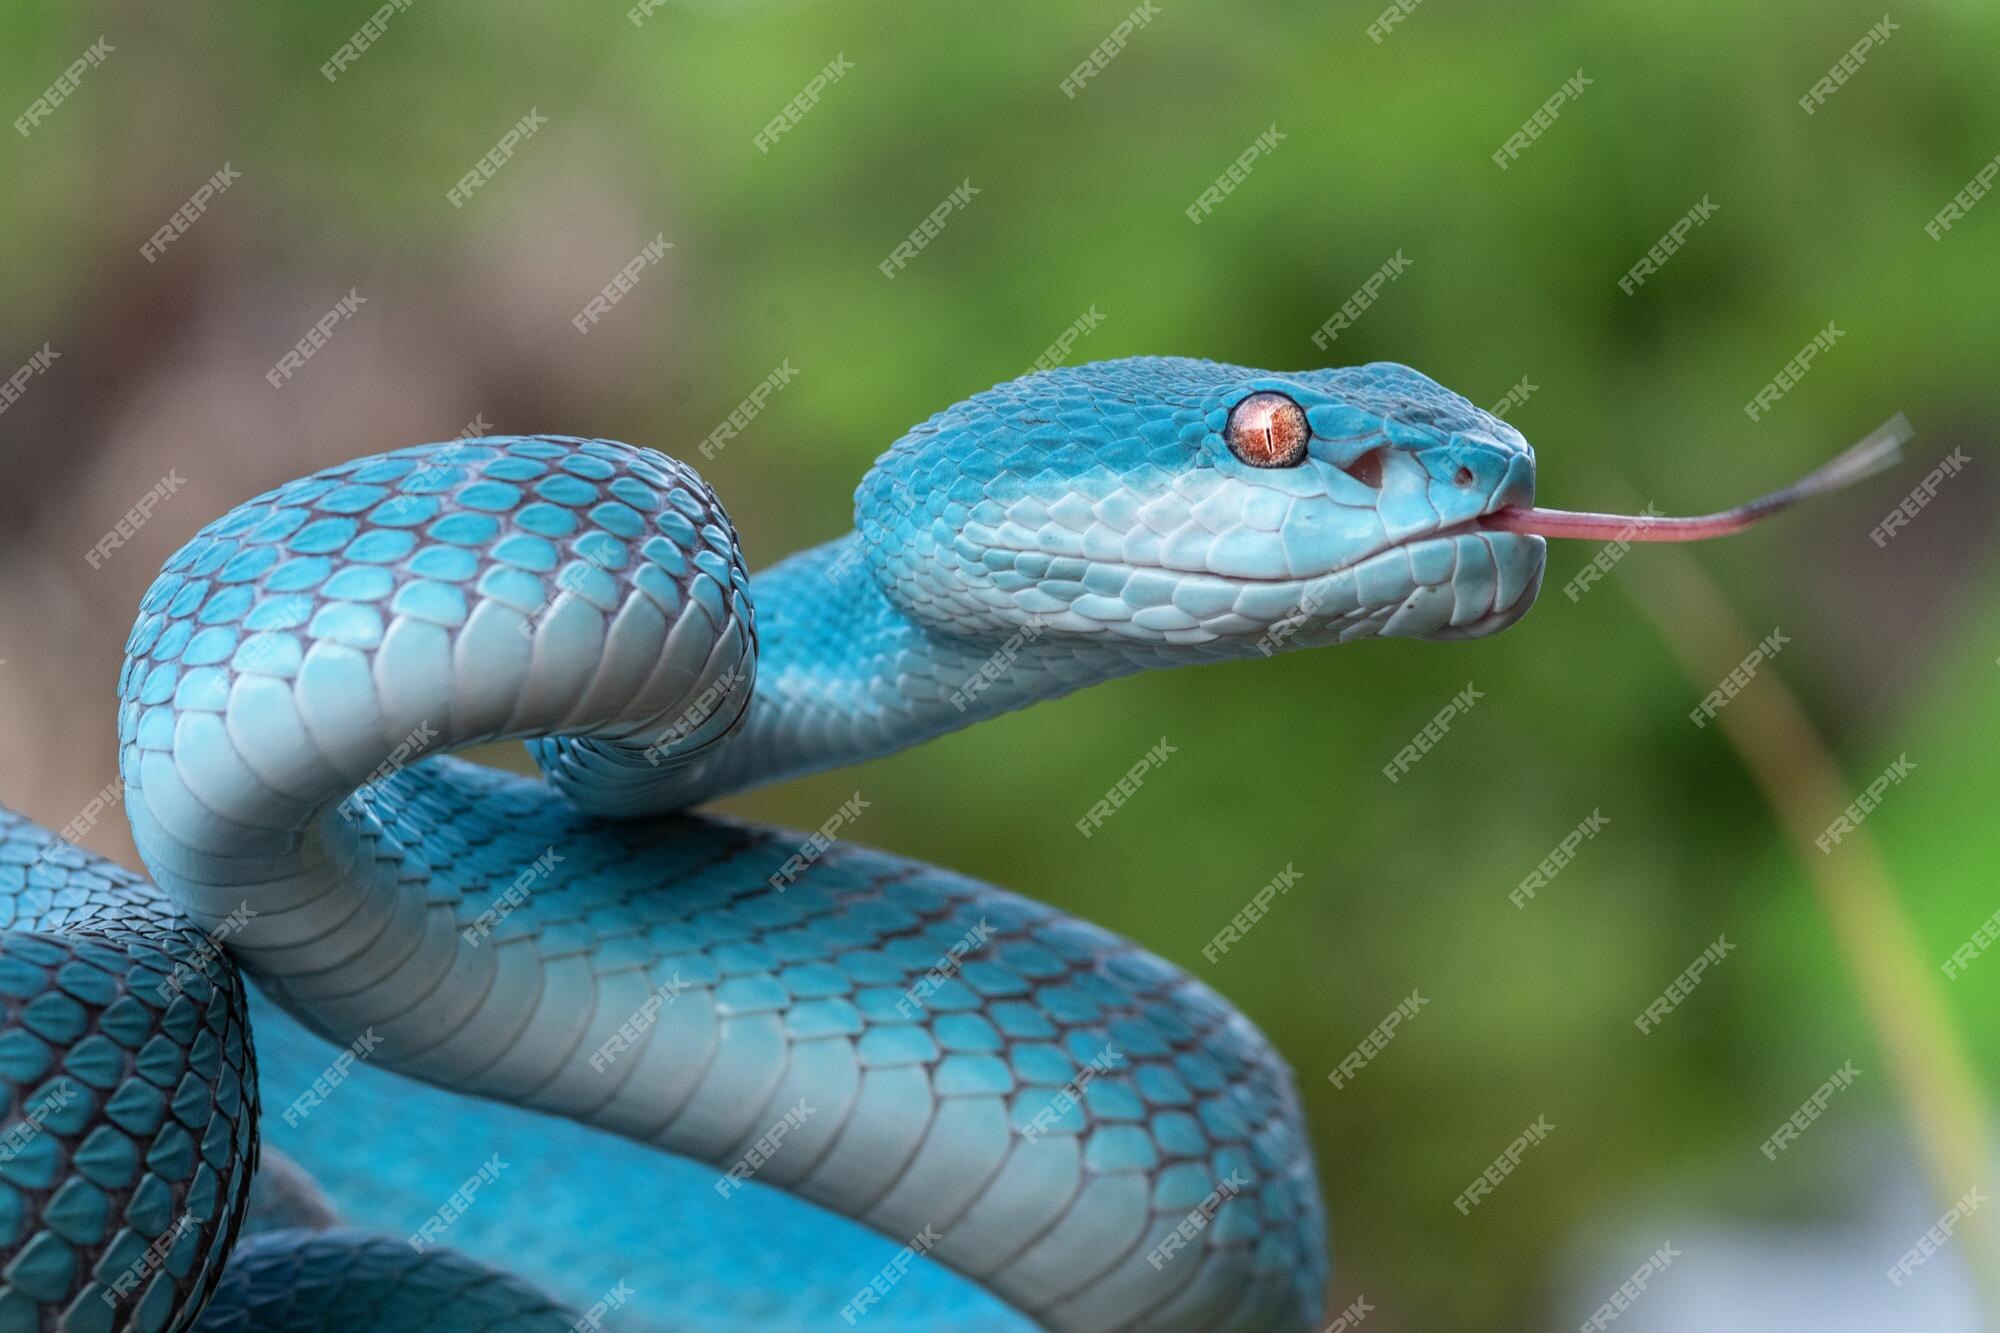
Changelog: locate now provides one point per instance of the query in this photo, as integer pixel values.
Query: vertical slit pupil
(1268, 430)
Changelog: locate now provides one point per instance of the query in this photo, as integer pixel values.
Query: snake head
(1207, 510)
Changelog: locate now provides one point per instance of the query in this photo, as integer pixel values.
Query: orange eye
(1268, 430)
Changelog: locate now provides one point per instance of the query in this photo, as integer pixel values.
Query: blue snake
(681, 1071)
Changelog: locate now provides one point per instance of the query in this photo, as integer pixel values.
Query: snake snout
(1440, 572)
(1517, 485)
(1480, 472)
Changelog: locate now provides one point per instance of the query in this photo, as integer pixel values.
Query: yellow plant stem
(1903, 1000)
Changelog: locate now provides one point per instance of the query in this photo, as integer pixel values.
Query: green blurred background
(1512, 275)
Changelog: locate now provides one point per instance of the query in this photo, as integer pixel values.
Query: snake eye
(1268, 430)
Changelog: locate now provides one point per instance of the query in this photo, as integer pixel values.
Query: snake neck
(846, 675)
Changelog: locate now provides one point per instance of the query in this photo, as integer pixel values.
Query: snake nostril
(1367, 469)
(1464, 476)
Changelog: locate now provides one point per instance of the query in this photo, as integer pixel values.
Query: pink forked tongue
(1881, 449)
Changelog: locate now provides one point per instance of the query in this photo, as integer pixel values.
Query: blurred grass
(1513, 274)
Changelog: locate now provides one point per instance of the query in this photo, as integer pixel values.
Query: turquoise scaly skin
(130, 1097)
(687, 984)
(336, 1278)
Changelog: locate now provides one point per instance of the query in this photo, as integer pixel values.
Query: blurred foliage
(1513, 274)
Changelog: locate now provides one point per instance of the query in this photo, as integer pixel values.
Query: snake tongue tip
(1881, 449)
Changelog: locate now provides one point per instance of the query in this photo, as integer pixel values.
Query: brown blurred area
(159, 377)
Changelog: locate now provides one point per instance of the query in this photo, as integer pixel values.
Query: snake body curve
(1079, 1128)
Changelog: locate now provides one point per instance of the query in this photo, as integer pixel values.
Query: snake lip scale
(525, 981)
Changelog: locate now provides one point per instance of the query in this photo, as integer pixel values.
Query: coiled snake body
(980, 1082)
